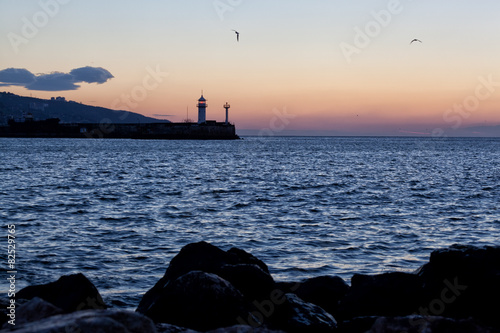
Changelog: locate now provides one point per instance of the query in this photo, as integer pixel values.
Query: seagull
(237, 35)
(416, 40)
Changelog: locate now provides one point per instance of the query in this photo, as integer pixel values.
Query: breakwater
(52, 128)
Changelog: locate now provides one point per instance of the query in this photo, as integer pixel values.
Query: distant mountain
(17, 107)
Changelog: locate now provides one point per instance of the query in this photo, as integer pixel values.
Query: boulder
(5, 303)
(325, 291)
(90, 321)
(461, 282)
(387, 294)
(244, 329)
(295, 315)
(34, 310)
(70, 293)
(358, 324)
(429, 324)
(169, 328)
(253, 282)
(208, 258)
(199, 301)
(240, 256)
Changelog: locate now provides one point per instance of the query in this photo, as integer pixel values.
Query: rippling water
(119, 210)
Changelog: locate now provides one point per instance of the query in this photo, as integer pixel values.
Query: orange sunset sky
(300, 68)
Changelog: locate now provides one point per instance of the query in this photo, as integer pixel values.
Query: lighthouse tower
(227, 106)
(202, 110)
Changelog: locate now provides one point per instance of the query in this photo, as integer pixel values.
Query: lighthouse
(202, 110)
(227, 106)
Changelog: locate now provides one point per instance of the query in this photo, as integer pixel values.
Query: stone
(358, 324)
(199, 301)
(244, 329)
(295, 315)
(4, 311)
(169, 328)
(429, 324)
(324, 291)
(208, 258)
(34, 310)
(200, 256)
(249, 279)
(240, 256)
(69, 293)
(462, 282)
(387, 294)
(90, 321)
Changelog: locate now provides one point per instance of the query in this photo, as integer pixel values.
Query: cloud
(55, 81)
(16, 77)
(91, 74)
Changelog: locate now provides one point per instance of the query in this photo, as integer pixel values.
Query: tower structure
(202, 110)
(227, 106)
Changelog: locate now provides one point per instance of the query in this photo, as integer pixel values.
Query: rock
(221, 289)
(208, 258)
(34, 310)
(168, 328)
(242, 257)
(69, 293)
(5, 311)
(249, 279)
(90, 321)
(418, 324)
(358, 324)
(199, 301)
(295, 315)
(324, 291)
(388, 294)
(461, 282)
(244, 329)
(200, 256)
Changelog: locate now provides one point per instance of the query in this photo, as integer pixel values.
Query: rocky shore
(206, 289)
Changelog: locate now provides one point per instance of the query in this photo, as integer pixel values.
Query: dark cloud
(16, 76)
(91, 74)
(55, 81)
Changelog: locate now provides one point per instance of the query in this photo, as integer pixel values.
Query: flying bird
(237, 35)
(416, 40)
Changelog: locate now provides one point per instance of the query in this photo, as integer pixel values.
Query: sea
(119, 210)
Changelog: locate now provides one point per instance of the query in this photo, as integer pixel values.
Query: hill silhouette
(13, 106)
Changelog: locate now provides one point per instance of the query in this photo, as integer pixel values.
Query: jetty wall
(51, 128)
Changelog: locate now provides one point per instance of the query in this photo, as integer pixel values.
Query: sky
(316, 67)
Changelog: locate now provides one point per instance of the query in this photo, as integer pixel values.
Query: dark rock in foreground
(458, 283)
(325, 291)
(388, 294)
(208, 289)
(206, 258)
(461, 282)
(167, 328)
(221, 288)
(419, 324)
(69, 293)
(90, 321)
(300, 316)
(34, 310)
(200, 301)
